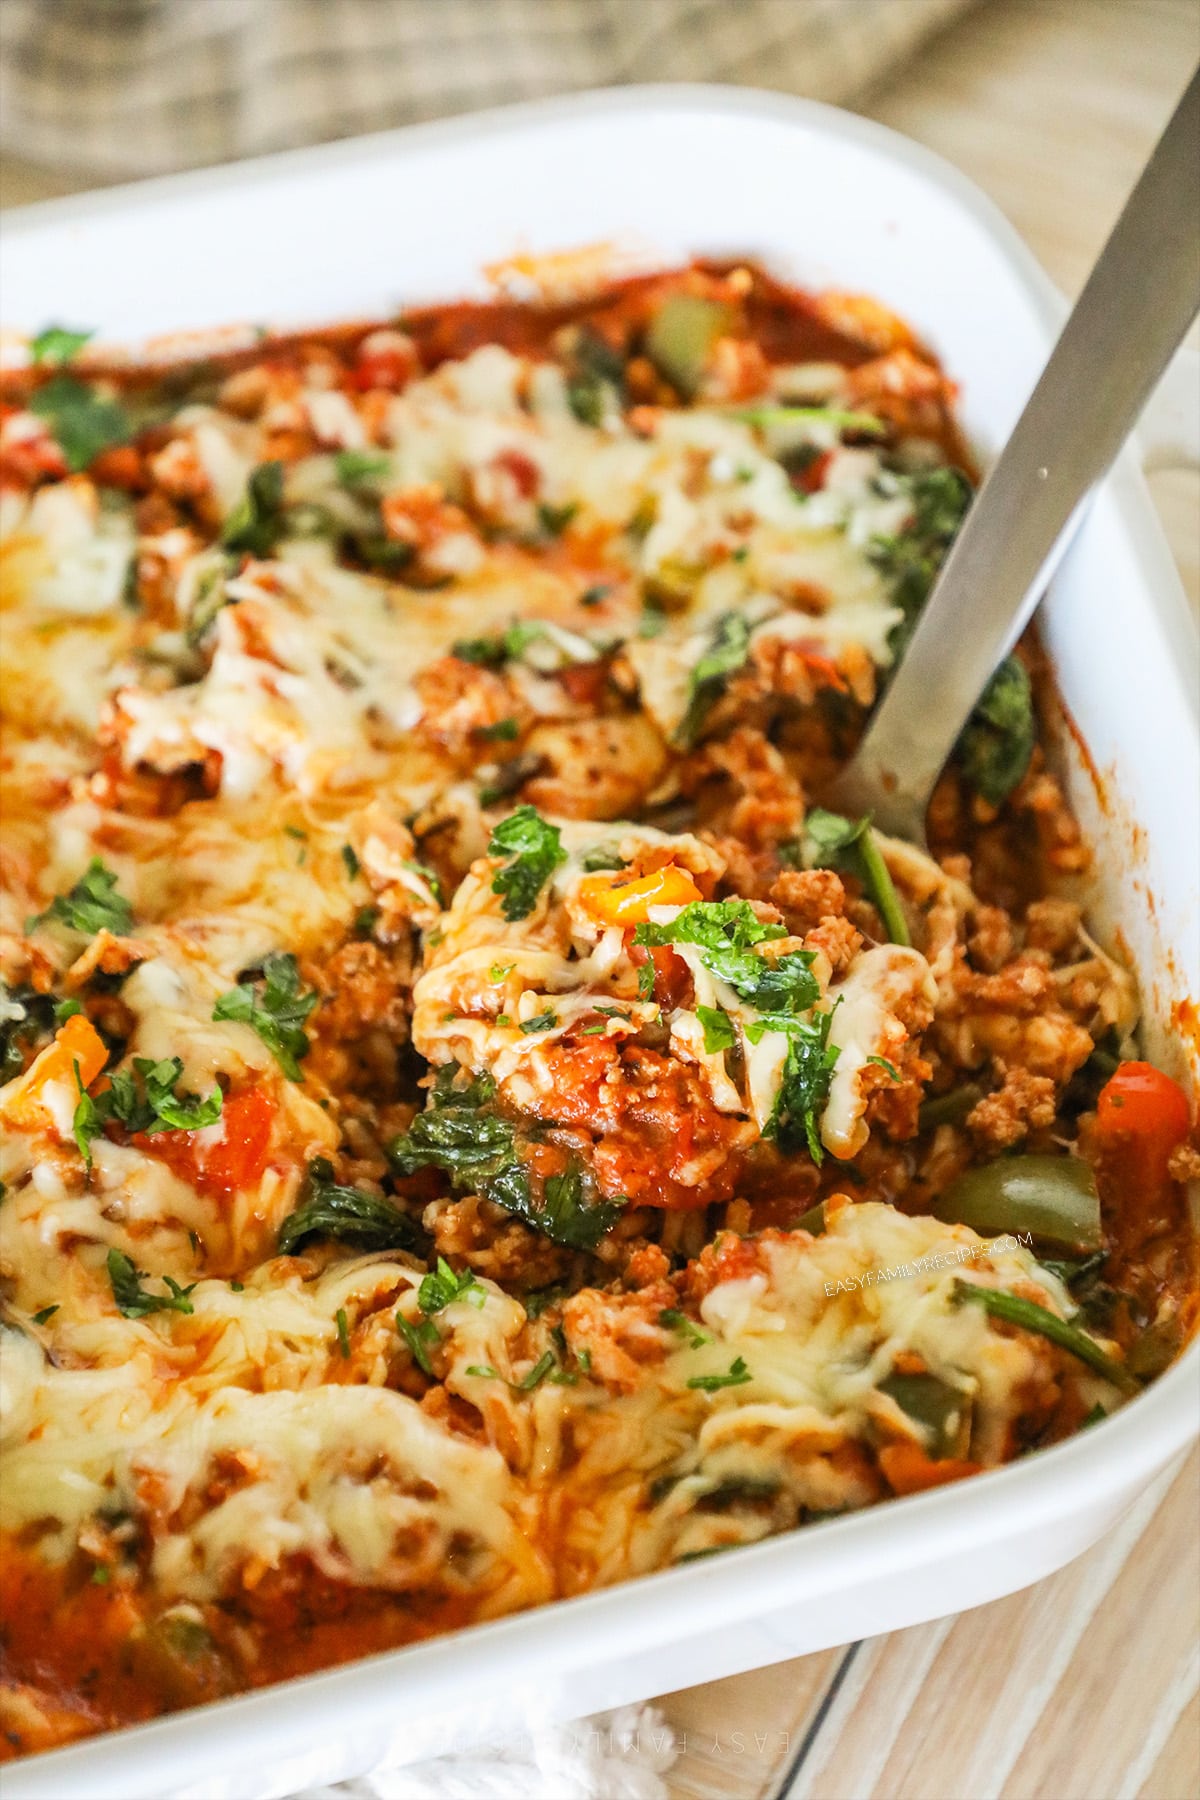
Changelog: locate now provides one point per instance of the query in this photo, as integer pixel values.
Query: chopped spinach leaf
(83, 421)
(257, 521)
(330, 1209)
(998, 739)
(57, 344)
(727, 651)
(355, 466)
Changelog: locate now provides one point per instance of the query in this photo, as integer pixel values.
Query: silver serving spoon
(1139, 301)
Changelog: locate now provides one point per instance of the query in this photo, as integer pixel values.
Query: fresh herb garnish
(881, 1062)
(142, 1099)
(82, 421)
(804, 1087)
(555, 519)
(132, 1299)
(43, 1317)
(543, 1022)
(92, 905)
(725, 932)
(534, 850)
(355, 466)
(679, 1321)
(830, 841)
(421, 1338)
(504, 731)
(276, 1010)
(343, 1332)
(443, 1286)
(596, 379)
(537, 1374)
(57, 344)
(350, 858)
(500, 647)
(738, 1375)
(718, 1028)
(727, 651)
(330, 1209)
(484, 1371)
(998, 739)
(257, 521)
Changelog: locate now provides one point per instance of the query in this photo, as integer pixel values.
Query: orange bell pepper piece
(907, 1469)
(619, 902)
(77, 1045)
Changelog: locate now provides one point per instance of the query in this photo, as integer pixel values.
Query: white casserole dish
(828, 200)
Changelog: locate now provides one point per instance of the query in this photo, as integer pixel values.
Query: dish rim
(816, 1560)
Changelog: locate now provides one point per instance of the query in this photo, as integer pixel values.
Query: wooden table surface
(1085, 1686)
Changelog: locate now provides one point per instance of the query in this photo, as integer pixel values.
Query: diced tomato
(811, 478)
(120, 466)
(235, 1160)
(672, 977)
(1141, 1117)
(620, 902)
(584, 682)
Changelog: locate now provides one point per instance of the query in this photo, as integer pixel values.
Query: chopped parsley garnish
(498, 971)
(142, 1099)
(783, 992)
(256, 523)
(57, 344)
(646, 979)
(727, 651)
(484, 1371)
(343, 1332)
(679, 1321)
(537, 1374)
(353, 866)
(43, 1317)
(82, 421)
(330, 1209)
(555, 519)
(594, 595)
(718, 1028)
(421, 1339)
(738, 1375)
(807, 1072)
(443, 1286)
(354, 466)
(500, 647)
(543, 1022)
(92, 905)
(534, 850)
(830, 841)
(276, 1009)
(504, 731)
(725, 932)
(881, 1062)
(603, 856)
(133, 1300)
(365, 921)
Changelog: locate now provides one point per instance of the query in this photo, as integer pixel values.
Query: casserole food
(510, 854)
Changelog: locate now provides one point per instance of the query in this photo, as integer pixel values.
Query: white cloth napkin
(621, 1755)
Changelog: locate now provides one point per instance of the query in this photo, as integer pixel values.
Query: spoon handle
(1137, 304)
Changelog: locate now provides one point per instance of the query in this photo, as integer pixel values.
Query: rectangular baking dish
(825, 198)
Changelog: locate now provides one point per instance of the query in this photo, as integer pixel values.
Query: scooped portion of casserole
(475, 1125)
